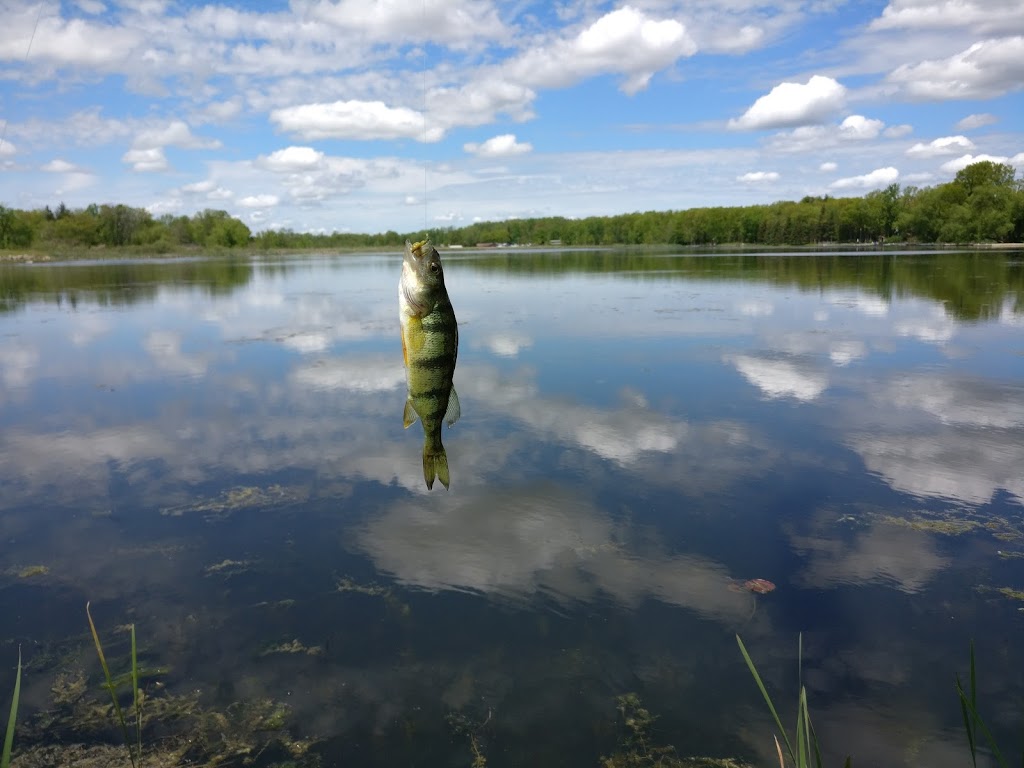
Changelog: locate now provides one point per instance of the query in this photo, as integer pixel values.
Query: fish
(430, 347)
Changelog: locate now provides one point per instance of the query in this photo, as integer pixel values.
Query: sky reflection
(634, 445)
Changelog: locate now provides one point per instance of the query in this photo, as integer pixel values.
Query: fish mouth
(414, 252)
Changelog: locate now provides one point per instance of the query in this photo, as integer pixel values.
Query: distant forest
(984, 203)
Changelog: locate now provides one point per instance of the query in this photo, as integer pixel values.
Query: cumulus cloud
(63, 42)
(174, 134)
(625, 41)
(6, 148)
(292, 160)
(361, 120)
(259, 201)
(794, 104)
(815, 137)
(438, 20)
(858, 127)
(987, 69)
(828, 167)
(979, 120)
(880, 177)
(146, 160)
(499, 146)
(754, 177)
(58, 166)
(985, 17)
(947, 145)
(958, 164)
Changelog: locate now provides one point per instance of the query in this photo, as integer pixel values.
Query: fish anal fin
(409, 415)
(453, 412)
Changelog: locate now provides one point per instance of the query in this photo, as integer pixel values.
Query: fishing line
(423, 73)
(28, 49)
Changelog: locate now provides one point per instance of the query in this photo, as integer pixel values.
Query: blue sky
(368, 115)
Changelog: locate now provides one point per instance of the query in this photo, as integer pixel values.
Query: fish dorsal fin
(409, 415)
(454, 410)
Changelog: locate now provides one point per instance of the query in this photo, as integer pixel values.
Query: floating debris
(757, 586)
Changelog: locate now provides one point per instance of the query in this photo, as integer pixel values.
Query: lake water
(213, 450)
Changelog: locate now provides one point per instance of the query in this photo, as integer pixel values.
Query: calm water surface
(214, 451)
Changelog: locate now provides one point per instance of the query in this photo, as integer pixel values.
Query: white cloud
(292, 160)
(958, 164)
(858, 127)
(880, 177)
(74, 42)
(58, 166)
(978, 120)
(626, 41)
(440, 21)
(144, 160)
(355, 120)
(499, 146)
(175, 134)
(828, 167)
(259, 201)
(6, 148)
(947, 145)
(755, 177)
(987, 69)
(963, 16)
(794, 104)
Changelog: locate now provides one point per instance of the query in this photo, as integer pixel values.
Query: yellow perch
(430, 344)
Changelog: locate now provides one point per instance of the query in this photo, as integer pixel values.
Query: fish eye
(435, 267)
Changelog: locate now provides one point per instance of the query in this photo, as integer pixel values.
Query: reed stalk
(112, 688)
(5, 756)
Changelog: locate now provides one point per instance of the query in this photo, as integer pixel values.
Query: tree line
(983, 203)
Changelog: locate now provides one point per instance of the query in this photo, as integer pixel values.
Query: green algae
(240, 498)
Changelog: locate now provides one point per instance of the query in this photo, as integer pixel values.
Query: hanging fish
(430, 344)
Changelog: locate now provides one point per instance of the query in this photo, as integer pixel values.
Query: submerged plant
(806, 752)
(5, 756)
(134, 752)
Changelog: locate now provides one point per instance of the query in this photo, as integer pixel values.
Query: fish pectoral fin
(454, 410)
(409, 415)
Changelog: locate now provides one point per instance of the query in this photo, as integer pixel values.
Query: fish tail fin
(435, 465)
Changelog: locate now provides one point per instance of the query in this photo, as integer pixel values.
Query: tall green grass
(5, 756)
(803, 749)
(134, 750)
(973, 724)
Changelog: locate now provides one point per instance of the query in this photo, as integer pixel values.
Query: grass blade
(5, 756)
(110, 687)
(135, 698)
(968, 727)
(767, 698)
(980, 724)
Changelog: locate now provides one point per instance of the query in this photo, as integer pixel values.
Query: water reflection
(217, 446)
